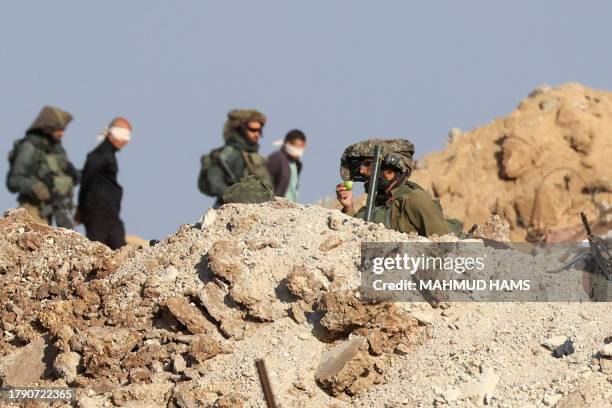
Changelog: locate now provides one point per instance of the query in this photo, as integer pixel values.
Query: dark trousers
(107, 231)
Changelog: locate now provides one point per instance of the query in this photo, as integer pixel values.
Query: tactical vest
(52, 166)
(255, 165)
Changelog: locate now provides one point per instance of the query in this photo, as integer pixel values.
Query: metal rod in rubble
(265, 383)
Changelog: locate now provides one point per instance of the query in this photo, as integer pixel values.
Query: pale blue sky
(339, 70)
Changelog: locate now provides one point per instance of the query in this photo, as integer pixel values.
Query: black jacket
(100, 194)
(278, 167)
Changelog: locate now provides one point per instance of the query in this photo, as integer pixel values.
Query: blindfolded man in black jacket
(100, 194)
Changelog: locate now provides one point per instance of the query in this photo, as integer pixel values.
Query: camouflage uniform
(404, 206)
(41, 172)
(253, 183)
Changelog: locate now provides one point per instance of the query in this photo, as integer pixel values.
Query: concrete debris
(24, 366)
(179, 324)
(347, 368)
(189, 315)
(480, 388)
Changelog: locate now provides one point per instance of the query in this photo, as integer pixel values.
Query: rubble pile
(143, 326)
(537, 168)
(180, 324)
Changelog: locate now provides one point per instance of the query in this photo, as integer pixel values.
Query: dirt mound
(537, 168)
(114, 323)
(180, 324)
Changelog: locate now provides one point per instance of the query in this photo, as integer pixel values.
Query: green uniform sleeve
(423, 213)
(22, 176)
(217, 179)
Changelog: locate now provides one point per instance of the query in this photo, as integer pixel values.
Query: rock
(551, 399)
(205, 347)
(343, 311)
(454, 134)
(169, 274)
(591, 393)
(347, 368)
(24, 366)
(556, 344)
(143, 395)
(140, 375)
(209, 218)
(43, 291)
(190, 394)
(424, 318)
(495, 228)
(549, 105)
(334, 222)
(66, 364)
(304, 284)
(178, 364)
(189, 315)
(229, 318)
(481, 387)
(540, 90)
(229, 401)
(330, 243)
(224, 259)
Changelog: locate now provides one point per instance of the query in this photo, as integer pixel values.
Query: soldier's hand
(344, 196)
(41, 192)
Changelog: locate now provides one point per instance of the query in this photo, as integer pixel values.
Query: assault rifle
(598, 265)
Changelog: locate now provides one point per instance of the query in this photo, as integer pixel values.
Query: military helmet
(397, 153)
(240, 117)
(50, 119)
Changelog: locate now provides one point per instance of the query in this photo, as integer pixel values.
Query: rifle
(377, 158)
(229, 174)
(62, 212)
(599, 264)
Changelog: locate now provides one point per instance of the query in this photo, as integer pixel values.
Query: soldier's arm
(70, 169)
(22, 177)
(424, 214)
(74, 173)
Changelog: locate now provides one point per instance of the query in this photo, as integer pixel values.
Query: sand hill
(537, 168)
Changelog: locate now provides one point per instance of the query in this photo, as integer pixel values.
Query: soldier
(40, 171)
(100, 194)
(237, 172)
(399, 203)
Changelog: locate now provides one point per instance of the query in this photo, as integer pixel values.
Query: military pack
(216, 158)
(11, 159)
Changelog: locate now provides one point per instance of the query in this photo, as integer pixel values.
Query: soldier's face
(58, 134)
(365, 168)
(253, 132)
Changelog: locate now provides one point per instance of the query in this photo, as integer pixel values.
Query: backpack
(250, 189)
(211, 160)
(11, 159)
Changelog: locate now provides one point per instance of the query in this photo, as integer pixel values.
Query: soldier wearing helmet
(399, 203)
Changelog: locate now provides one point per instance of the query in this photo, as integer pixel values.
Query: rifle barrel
(373, 182)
